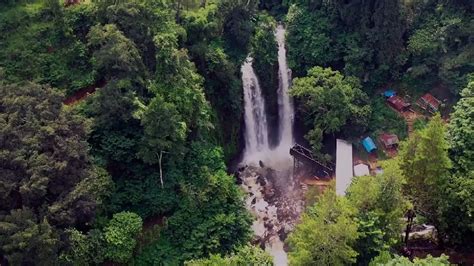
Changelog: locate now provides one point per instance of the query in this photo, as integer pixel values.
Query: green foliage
(46, 152)
(246, 255)
(219, 65)
(309, 42)
(330, 103)
(385, 119)
(238, 22)
(163, 128)
(439, 46)
(363, 39)
(114, 54)
(388, 260)
(83, 249)
(326, 233)
(457, 209)
(420, 123)
(60, 58)
(425, 164)
(48, 181)
(461, 132)
(210, 219)
(27, 240)
(120, 236)
(381, 205)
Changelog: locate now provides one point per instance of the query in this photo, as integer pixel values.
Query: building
(344, 163)
(361, 170)
(389, 141)
(369, 144)
(398, 103)
(429, 102)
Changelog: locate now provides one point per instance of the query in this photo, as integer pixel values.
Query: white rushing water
(285, 102)
(256, 127)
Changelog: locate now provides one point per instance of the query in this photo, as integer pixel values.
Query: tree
(164, 129)
(425, 164)
(326, 233)
(48, 181)
(238, 21)
(381, 205)
(210, 218)
(138, 21)
(246, 255)
(458, 208)
(114, 54)
(387, 259)
(84, 249)
(120, 234)
(439, 46)
(461, 132)
(330, 103)
(309, 41)
(26, 240)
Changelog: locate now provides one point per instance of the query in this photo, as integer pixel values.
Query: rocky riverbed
(276, 203)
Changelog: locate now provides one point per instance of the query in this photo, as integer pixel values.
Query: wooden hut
(398, 103)
(429, 103)
(389, 141)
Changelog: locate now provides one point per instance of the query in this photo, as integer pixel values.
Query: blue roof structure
(369, 144)
(389, 93)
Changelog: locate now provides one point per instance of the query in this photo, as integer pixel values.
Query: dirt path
(81, 94)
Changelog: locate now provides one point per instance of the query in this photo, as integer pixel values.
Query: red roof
(398, 103)
(388, 139)
(431, 100)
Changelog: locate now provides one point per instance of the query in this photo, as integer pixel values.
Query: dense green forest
(120, 122)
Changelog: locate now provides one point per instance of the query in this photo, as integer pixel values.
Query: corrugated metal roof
(343, 166)
(398, 103)
(369, 144)
(388, 139)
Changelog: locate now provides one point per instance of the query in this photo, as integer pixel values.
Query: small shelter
(398, 103)
(389, 140)
(389, 93)
(429, 102)
(369, 144)
(361, 170)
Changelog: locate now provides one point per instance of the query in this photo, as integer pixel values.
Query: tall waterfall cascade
(256, 128)
(271, 194)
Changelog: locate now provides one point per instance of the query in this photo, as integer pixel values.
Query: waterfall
(268, 223)
(256, 128)
(285, 103)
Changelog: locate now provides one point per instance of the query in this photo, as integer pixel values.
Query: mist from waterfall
(256, 127)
